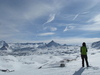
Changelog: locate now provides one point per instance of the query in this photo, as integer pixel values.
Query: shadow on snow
(79, 72)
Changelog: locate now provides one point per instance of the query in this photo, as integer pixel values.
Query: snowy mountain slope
(96, 45)
(3, 45)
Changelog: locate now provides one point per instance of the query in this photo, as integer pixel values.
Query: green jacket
(83, 50)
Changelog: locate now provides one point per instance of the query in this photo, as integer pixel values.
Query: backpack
(83, 50)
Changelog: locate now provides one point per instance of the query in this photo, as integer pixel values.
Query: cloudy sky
(66, 21)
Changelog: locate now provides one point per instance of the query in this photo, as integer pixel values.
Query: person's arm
(80, 49)
(86, 49)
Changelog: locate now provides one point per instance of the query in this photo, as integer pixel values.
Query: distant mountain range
(28, 46)
(31, 48)
(34, 46)
(40, 48)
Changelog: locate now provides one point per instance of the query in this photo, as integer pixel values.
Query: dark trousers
(84, 57)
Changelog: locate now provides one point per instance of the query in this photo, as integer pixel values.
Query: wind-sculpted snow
(9, 62)
(50, 64)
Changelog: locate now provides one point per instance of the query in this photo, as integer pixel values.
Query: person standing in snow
(84, 51)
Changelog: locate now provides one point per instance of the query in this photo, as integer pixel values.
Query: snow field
(28, 65)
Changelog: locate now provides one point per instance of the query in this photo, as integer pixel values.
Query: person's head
(83, 44)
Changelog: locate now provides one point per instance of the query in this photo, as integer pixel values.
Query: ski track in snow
(28, 65)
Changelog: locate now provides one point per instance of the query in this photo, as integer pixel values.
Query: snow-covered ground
(29, 65)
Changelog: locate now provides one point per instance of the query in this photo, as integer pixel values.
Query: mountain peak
(3, 45)
(52, 43)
